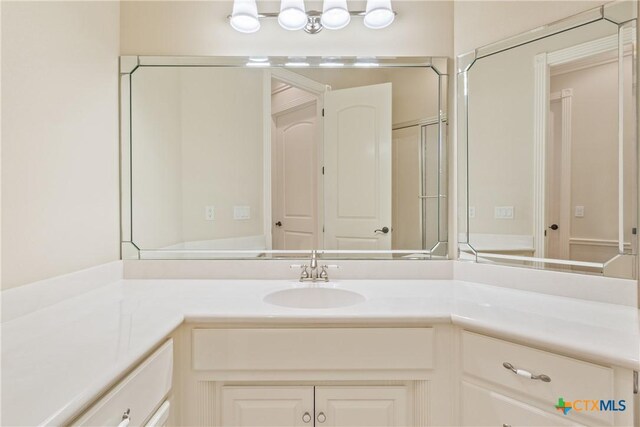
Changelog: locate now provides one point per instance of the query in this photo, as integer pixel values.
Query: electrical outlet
(209, 213)
(241, 212)
(503, 212)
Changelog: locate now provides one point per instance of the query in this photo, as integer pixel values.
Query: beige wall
(222, 151)
(501, 131)
(156, 117)
(197, 142)
(478, 23)
(59, 138)
(201, 28)
(594, 156)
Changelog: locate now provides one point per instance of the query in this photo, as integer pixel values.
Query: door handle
(279, 224)
(383, 230)
(554, 226)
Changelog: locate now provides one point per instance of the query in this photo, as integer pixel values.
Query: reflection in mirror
(226, 160)
(551, 152)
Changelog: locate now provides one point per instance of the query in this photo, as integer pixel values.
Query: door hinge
(545, 233)
(323, 170)
(323, 228)
(323, 112)
(635, 382)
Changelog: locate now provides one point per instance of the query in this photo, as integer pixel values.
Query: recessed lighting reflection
(366, 64)
(296, 64)
(258, 64)
(331, 64)
(259, 58)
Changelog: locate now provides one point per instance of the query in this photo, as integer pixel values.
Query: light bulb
(335, 14)
(292, 15)
(378, 14)
(244, 17)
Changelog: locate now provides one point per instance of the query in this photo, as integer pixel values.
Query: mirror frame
(129, 64)
(624, 14)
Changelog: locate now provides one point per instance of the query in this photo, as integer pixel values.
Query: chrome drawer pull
(526, 374)
(126, 418)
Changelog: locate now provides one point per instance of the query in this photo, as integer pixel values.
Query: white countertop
(55, 361)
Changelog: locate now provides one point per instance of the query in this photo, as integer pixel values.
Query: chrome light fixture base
(314, 24)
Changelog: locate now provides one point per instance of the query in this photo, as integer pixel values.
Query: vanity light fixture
(379, 14)
(244, 17)
(293, 16)
(335, 14)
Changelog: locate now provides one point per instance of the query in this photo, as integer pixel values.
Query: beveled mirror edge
(130, 63)
(620, 13)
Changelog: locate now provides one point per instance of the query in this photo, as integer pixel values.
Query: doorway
(296, 158)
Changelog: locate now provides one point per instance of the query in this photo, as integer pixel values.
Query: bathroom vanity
(414, 352)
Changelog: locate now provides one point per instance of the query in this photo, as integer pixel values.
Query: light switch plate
(209, 213)
(472, 212)
(579, 212)
(241, 212)
(503, 212)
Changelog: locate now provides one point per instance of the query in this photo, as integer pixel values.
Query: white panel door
(295, 207)
(366, 406)
(267, 406)
(357, 141)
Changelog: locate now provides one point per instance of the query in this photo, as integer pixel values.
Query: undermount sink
(314, 297)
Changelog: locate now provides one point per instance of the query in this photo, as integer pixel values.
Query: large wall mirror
(262, 157)
(548, 146)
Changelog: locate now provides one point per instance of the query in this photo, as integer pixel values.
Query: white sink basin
(314, 297)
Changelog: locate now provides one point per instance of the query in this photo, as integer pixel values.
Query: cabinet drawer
(140, 392)
(481, 407)
(571, 379)
(313, 349)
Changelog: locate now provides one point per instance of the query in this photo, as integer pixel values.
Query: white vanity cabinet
(335, 406)
(508, 384)
(277, 406)
(362, 406)
(316, 376)
(140, 399)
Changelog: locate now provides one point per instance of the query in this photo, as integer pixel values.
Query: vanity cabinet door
(355, 406)
(267, 406)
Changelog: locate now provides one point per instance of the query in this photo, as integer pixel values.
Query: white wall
(59, 138)
(201, 28)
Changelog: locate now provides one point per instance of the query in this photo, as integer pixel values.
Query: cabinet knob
(321, 417)
(306, 417)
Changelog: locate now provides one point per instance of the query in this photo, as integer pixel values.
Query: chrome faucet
(313, 272)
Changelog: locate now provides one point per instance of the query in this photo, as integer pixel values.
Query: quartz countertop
(56, 360)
